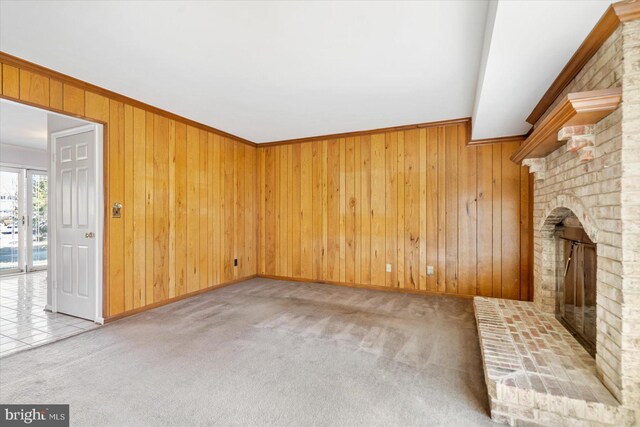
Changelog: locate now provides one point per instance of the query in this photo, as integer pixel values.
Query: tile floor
(23, 321)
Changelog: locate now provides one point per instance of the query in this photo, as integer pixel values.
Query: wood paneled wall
(340, 210)
(333, 210)
(188, 194)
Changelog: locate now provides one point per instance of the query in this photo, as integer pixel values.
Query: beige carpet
(266, 352)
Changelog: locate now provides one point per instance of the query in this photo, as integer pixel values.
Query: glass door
(10, 219)
(24, 223)
(37, 205)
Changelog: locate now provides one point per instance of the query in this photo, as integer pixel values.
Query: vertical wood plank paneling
(497, 221)
(261, 182)
(55, 99)
(271, 211)
(412, 209)
(412, 199)
(343, 210)
(149, 211)
(96, 106)
(129, 210)
(193, 209)
(357, 162)
(351, 207)
(451, 227)
(241, 206)
(279, 213)
(221, 207)
(306, 210)
(34, 88)
(139, 207)
(333, 211)
(391, 207)
(237, 225)
(288, 241)
(467, 215)
(378, 210)
(116, 193)
(365, 210)
(283, 210)
(432, 207)
(525, 234)
(10, 81)
(171, 212)
(324, 159)
(181, 208)
(444, 160)
(250, 248)
(296, 207)
(400, 213)
(510, 223)
(160, 208)
(211, 194)
(72, 99)
(422, 206)
(316, 202)
(229, 210)
(218, 174)
(485, 220)
(203, 216)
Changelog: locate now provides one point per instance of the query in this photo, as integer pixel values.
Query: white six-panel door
(76, 219)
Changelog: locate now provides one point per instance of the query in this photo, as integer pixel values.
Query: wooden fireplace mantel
(579, 108)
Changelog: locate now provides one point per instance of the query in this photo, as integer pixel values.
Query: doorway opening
(51, 218)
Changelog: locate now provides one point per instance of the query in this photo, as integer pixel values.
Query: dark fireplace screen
(577, 285)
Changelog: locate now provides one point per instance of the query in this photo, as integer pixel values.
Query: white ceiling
(277, 70)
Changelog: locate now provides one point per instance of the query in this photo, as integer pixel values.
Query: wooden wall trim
(39, 69)
(499, 140)
(359, 286)
(175, 299)
(616, 13)
(464, 120)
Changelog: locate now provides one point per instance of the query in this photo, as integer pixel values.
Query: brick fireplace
(604, 195)
(594, 179)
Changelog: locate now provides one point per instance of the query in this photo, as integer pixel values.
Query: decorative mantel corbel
(574, 111)
(580, 140)
(537, 167)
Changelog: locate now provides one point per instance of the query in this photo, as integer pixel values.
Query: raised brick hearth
(536, 372)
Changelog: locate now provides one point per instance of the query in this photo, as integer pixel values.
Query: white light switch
(429, 270)
(388, 268)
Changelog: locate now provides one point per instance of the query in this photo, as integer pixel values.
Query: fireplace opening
(576, 295)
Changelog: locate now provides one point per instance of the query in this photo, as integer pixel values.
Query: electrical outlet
(388, 268)
(429, 270)
(235, 262)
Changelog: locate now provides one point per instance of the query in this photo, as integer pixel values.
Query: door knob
(89, 235)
